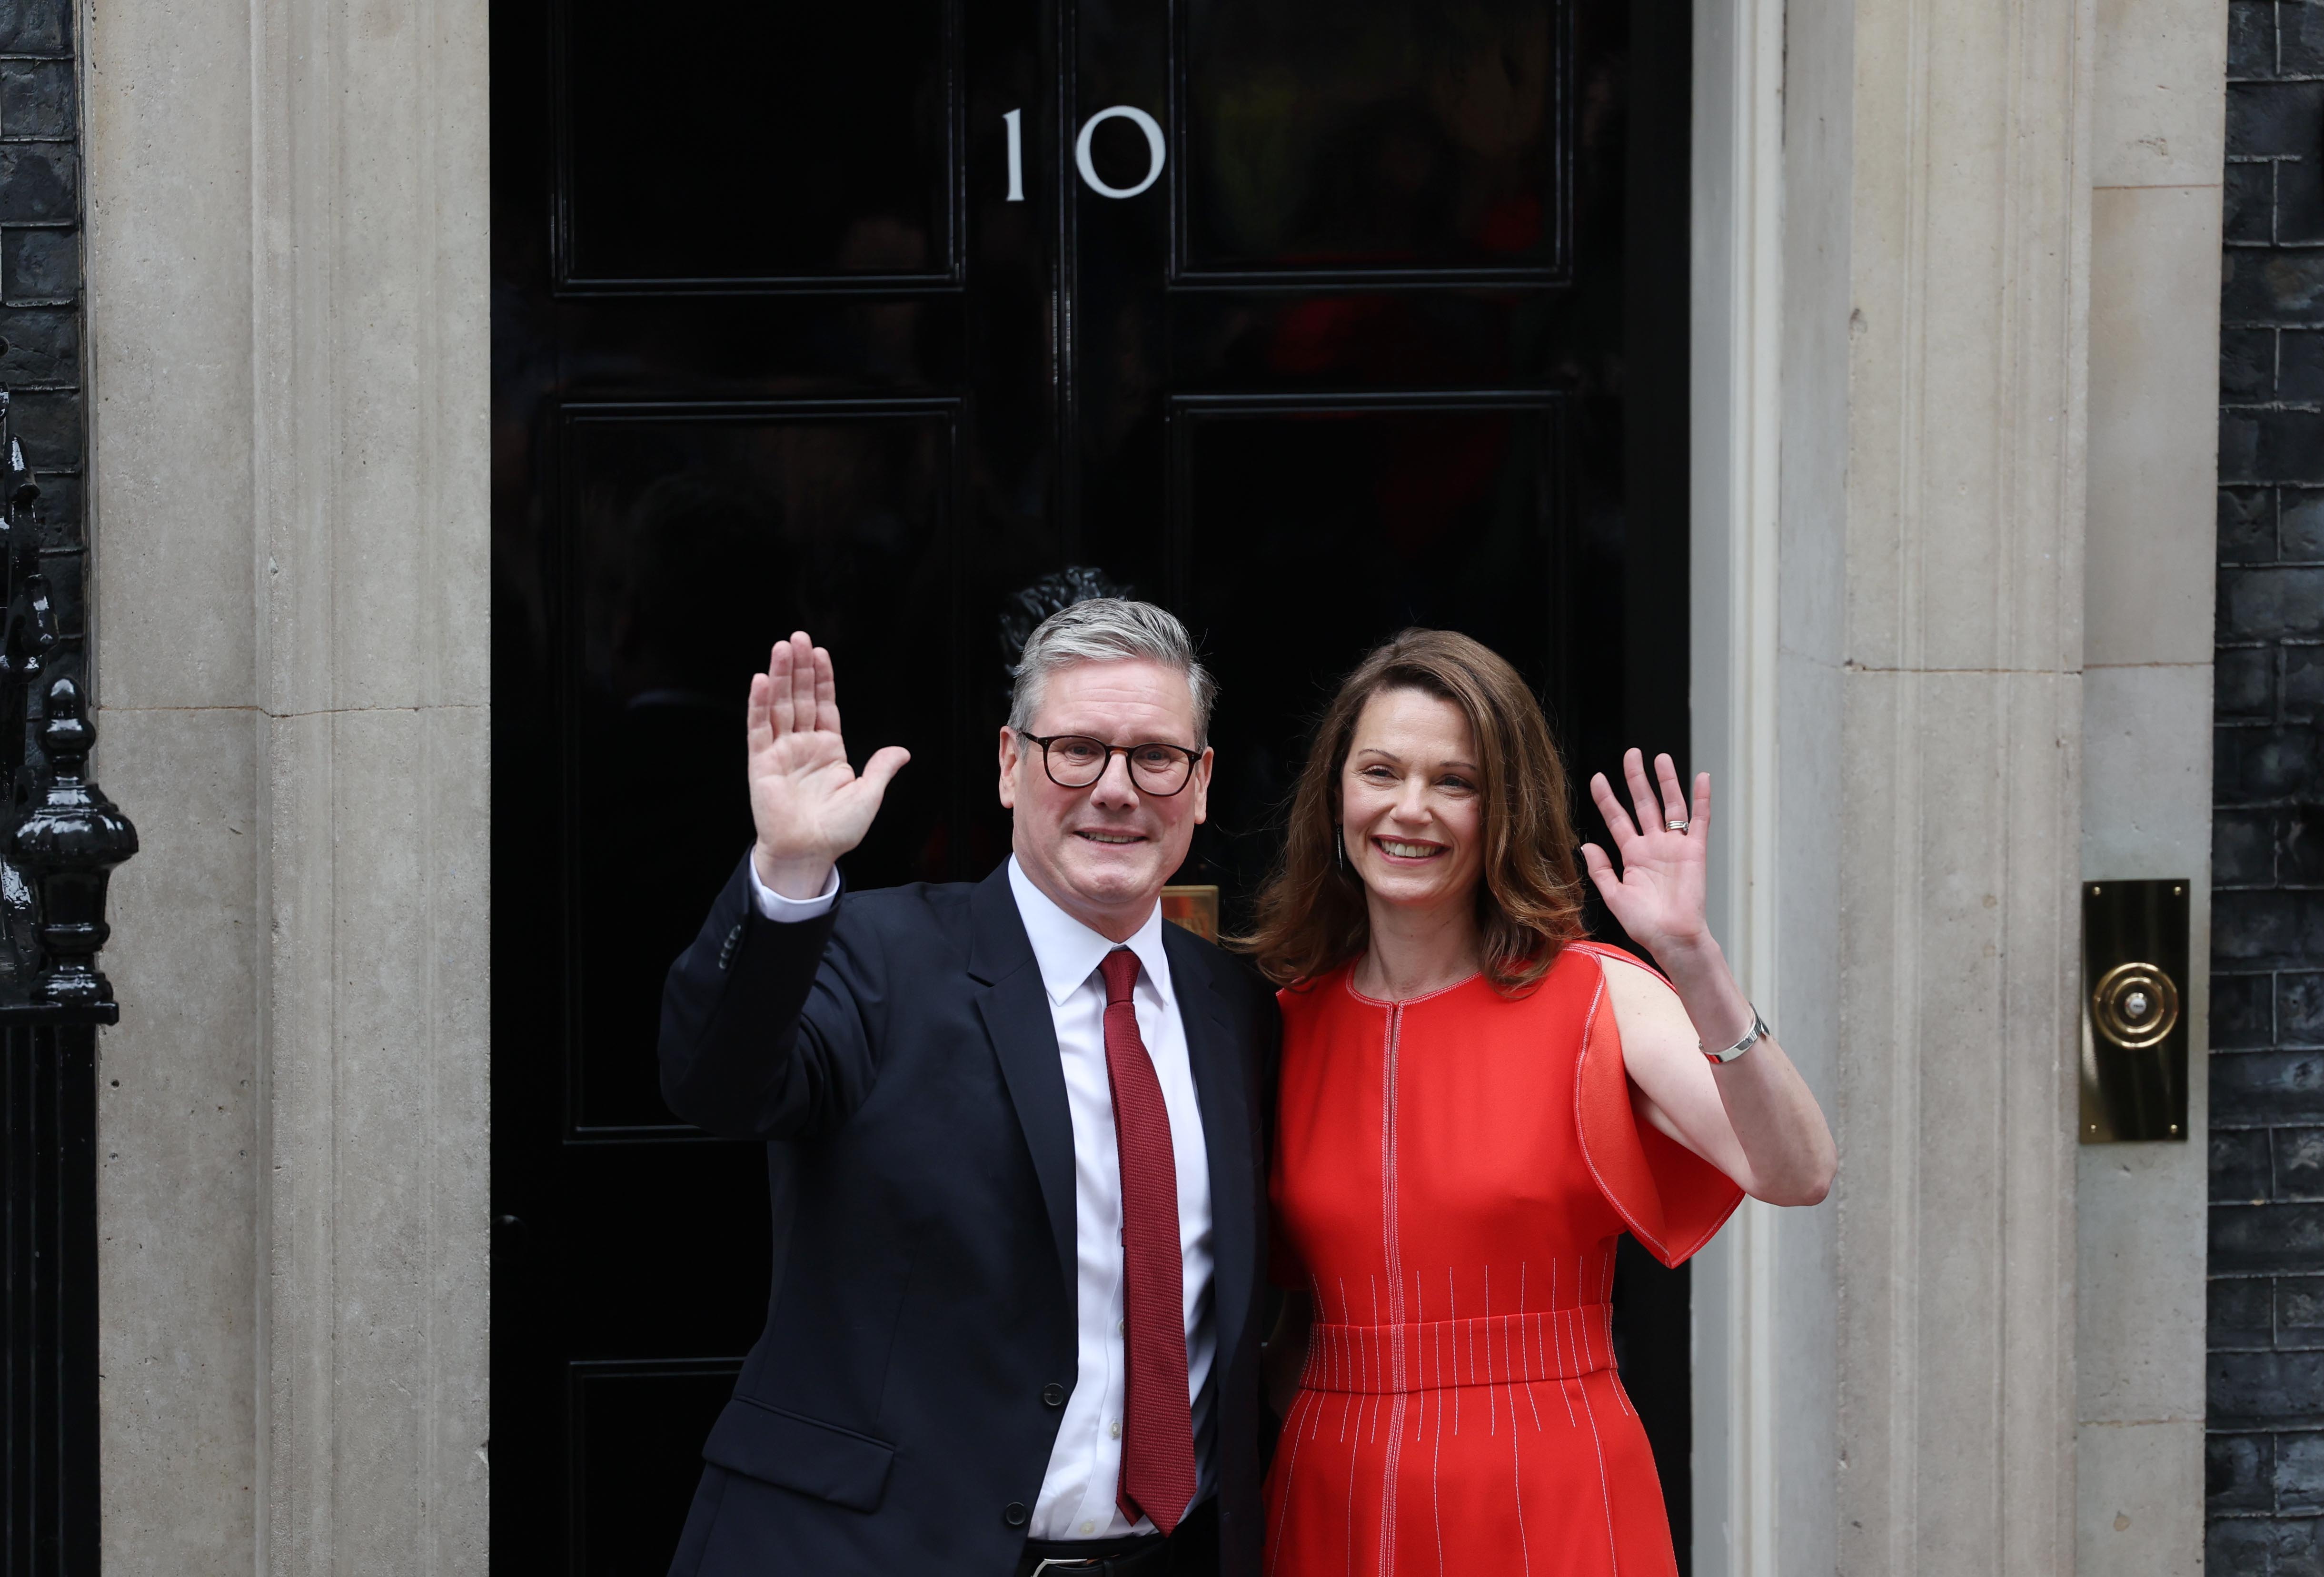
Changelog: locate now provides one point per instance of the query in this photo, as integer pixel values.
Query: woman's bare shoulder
(1643, 1002)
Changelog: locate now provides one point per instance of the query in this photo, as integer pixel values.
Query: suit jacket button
(1054, 1394)
(1015, 1515)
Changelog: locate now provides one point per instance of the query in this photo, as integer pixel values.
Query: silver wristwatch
(1751, 1038)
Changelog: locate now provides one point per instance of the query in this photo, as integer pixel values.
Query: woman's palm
(1658, 894)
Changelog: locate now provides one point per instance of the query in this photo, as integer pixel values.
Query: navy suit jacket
(900, 1058)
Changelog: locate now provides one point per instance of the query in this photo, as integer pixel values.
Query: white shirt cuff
(789, 911)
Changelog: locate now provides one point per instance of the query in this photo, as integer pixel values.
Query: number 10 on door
(1154, 150)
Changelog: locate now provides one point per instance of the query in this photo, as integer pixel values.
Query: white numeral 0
(1144, 123)
(1013, 120)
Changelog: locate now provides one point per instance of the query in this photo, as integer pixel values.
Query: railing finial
(69, 845)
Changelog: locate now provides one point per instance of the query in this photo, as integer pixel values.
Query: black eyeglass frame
(1194, 760)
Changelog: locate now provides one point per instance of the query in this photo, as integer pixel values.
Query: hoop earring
(1340, 844)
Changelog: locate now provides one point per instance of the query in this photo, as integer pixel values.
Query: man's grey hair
(1109, 630)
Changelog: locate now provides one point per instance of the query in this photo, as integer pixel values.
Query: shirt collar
(1069, 951)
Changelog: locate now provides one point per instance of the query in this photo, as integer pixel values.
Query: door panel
(752, 163)
(1348, 518)
(1394, 333)
(660, 1234)
(1324, 138)
(637, 1438)
(690, 533)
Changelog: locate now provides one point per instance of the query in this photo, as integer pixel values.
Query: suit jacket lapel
(1226, 1131)
(1015, 1007)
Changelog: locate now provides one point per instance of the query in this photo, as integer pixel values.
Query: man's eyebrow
(1124, 743)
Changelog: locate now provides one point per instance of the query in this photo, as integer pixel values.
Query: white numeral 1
(1015, 158)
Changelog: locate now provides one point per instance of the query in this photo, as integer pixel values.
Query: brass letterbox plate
(1194, 907)
(2133, 1011)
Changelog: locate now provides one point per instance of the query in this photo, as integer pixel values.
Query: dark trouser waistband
(1192, 1550)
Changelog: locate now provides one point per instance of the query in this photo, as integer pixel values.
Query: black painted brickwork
(2266, 1411)
(40, 251)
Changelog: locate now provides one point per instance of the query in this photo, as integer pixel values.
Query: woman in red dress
(1475, 1105)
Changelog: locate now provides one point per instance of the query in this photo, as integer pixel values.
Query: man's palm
(809, 807)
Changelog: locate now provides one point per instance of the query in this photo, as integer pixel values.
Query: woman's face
(1411, 806)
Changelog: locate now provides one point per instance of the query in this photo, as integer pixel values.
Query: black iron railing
(59, 840)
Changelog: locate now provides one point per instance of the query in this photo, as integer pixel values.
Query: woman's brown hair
(1311, 917)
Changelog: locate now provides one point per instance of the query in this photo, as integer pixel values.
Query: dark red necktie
(1157, 1438)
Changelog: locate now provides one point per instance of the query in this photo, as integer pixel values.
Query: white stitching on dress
(1538, 1354)
(1508, 1364)
(1524, 1352)
(1344, 1321)
(1555, 1335)
(1420, 1313)
(1472, 1325)
(1581, 1062)
(1435, 1494)
(1370, 1336)
(1453, 1292)
(1388, 1473)
(1605, 1496)
(1517, 1480)
(1492, 1403)
(1570, 1326)
(1392, 1245)
(1405, 1001)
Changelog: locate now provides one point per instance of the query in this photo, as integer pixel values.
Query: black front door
(1310, 320)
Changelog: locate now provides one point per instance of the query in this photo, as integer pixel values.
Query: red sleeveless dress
(1450, 1175)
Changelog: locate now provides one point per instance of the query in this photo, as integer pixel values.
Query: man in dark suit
(1014, 1327)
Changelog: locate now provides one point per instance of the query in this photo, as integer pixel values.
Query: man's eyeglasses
(1074, 761)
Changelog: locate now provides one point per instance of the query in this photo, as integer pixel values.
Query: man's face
(1102, 853)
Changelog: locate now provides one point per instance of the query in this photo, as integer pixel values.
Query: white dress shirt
(1077, 1494)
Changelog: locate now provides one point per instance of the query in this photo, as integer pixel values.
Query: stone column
(1958, 803)
(2159, 93)
(288, 366)
(1936, 260)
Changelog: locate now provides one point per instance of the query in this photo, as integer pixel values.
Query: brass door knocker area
(2134, 1030)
